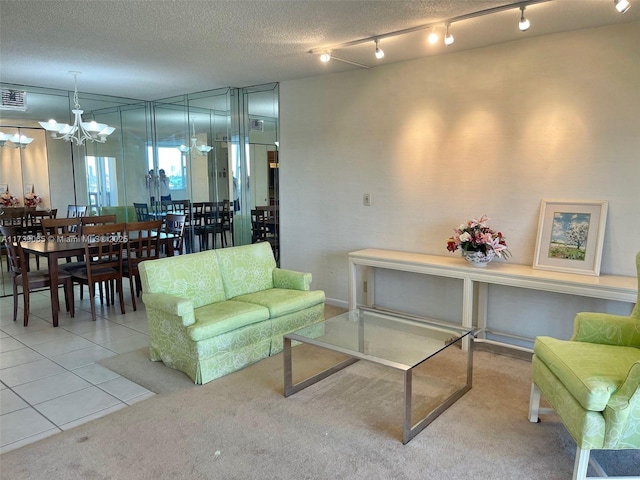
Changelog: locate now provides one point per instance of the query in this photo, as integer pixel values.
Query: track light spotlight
(325, 57)
(379, 51)
(524, 23)
(622, 5)
(433, 36)
(448, 38)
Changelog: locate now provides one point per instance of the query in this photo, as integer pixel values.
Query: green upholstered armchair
(592, 381)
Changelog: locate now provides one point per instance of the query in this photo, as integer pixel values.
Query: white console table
(607, 287)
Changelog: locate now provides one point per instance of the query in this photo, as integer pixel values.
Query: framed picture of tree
(570, 236)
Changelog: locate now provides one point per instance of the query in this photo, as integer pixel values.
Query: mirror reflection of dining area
(199, 165)
(96, 252)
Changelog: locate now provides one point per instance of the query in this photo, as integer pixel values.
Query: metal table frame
(408, 430)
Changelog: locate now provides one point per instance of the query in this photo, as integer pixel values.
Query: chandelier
(15, 141)
(201, 149)
(80, 131)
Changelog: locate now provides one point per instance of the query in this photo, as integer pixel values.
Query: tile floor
(50, 380)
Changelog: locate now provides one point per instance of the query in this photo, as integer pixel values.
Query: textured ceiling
(155, 49)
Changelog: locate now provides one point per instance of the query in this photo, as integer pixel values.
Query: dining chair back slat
(74, 211)
(142, 211)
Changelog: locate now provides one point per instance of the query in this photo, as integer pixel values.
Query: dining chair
(63, 230)
(60, 228)
(34, 224)
(142, 211)
(104, 247)
(181, 206)
(166, 206)
(76, 211)
(30, 280)
(142, 244)
(97, 220)
(262, 229)
(184, 207)
(209, 222)
(35, 218)
(14, 217)
(174, 228)
(9, 217)
(227, 220)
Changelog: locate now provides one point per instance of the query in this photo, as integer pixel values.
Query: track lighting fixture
(524, 23)
(433, 36)
(622, 5)
(448, 38)
(326, 52)
(379, 51)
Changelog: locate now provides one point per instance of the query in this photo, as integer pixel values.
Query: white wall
(442, 139)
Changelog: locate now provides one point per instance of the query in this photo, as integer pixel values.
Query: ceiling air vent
(257, 125)
(14, 100)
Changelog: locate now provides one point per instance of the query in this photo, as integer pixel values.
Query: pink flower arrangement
(32, 200)
(9, 200)
(476, 236)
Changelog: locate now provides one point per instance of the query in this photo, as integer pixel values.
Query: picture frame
(28, 188)
(4, 187)
(570, 236)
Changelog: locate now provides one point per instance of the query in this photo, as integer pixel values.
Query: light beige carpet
(346, 427)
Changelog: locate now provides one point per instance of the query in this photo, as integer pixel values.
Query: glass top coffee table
(385, 338)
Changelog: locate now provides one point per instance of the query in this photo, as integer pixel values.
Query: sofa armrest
(623, 409)
(606, 329)
(171, 305)
(290, 279)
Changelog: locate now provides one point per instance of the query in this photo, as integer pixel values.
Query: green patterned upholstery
(195, 277)
(214, 312)
(592, 382)
(590, 371)
(246, 269)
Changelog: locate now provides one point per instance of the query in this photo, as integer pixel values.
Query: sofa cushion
(246, 269)
(591, 372)
(195, 277)
(281, 301)
(221, 317)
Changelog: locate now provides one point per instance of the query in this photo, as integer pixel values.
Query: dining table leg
(53, 276)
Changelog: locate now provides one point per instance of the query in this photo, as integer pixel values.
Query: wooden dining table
(54, 250)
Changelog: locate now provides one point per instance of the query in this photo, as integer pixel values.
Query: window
(173, 163)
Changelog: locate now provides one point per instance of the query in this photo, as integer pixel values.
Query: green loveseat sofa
(214, 312)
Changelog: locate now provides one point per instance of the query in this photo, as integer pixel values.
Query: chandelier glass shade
(80, 131)
(203, 150)
(14, 141)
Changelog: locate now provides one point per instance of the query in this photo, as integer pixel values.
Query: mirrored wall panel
(211, 156)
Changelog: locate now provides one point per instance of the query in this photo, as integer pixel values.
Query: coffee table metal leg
(408, 431)
(290, 388)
